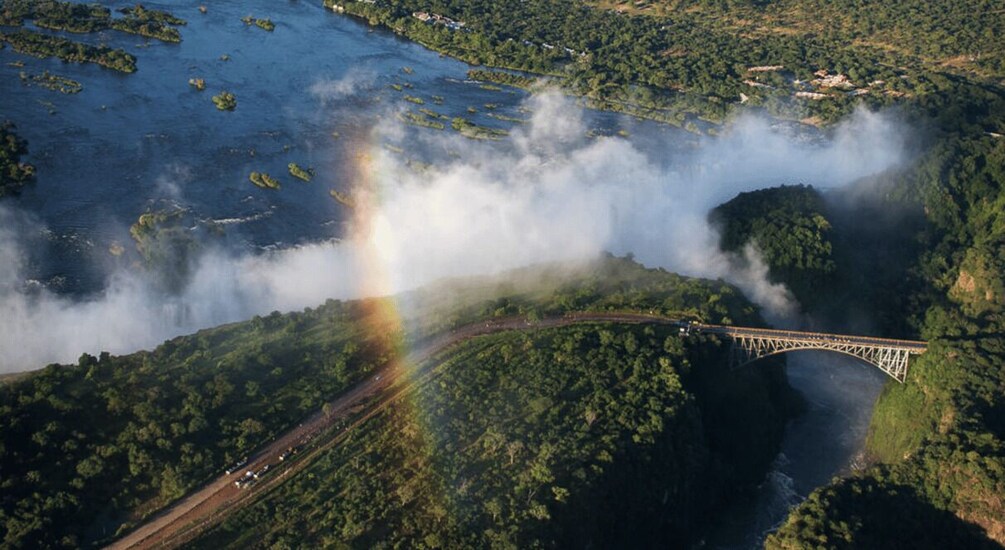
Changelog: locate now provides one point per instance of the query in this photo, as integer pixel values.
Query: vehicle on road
(246, 480)
(237, 466)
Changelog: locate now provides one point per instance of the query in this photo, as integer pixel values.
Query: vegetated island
(300, 173)
(342, 198)
(14, 174)
(225, 101)
(87, 18)
(265, 24)
(52, 82)
(197, 83)
(422, 120)
(44, 45)
(535, 426)
(471, 130)
(263, 180)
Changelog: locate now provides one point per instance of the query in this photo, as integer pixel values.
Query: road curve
(209, 503)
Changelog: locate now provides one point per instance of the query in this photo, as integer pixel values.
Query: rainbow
(380, 314)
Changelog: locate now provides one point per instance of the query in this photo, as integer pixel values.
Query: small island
(225, 101)
(265, 24)
(263, 180)
(14, 174)
(342, 198)
(300, 173)
(52, 82)
(426, 121)
(471, 130)
(197, 83)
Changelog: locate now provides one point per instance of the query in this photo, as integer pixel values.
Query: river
(824, 442)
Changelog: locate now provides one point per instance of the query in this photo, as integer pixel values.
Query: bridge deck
(913, 346)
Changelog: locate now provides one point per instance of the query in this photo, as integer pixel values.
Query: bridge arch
(889, 358)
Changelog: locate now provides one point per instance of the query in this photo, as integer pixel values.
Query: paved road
(219, 496)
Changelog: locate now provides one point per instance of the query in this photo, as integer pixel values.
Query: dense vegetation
(471, 130)
(300, 172)
(959, 32)
(44, 45)
(703, 57)
(145, 14)
(941, 434)
(788, 227)
(225, 101)
(52, 82)
(86, 18)
(89, 449)
(13, 173)
(264, 181)
(501, 77)
(264, 24)
(86, 448)
(423, 120)
(589, 436)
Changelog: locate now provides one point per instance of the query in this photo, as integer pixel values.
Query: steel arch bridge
(751, 344)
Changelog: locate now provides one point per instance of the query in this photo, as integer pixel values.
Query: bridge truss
(891, 359)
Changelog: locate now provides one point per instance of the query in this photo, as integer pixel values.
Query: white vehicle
(247, 479)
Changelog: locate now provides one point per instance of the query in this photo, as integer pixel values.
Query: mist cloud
(354, 81)
(548, 193)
